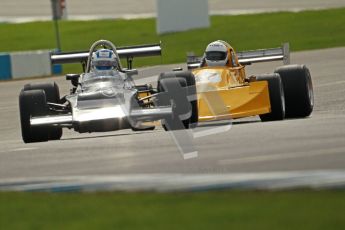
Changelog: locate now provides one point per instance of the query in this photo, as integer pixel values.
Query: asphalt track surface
(250, 146)
(23, 10)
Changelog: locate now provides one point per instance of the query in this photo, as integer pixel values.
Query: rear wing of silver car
(251, 56)
(128, 52)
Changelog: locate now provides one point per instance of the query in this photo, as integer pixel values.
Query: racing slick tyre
(150, 128)
(50, 89)
(191, 90)
(277, 99)
(52, 93)
(33, 103)
(298, 89)
(173, 92)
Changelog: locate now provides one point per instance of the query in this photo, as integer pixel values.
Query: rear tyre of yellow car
(277, 99)
(298, 89)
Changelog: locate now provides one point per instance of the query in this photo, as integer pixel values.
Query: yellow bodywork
(225, 93)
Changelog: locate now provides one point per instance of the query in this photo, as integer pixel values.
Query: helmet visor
(104, 65)
(215, 55)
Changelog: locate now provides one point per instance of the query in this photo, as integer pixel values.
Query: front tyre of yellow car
(187, 81)
(276, 94)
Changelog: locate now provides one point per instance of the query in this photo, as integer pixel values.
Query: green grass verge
(212, 210)
(304, 30)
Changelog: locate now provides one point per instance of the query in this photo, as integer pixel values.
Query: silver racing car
(105, 98)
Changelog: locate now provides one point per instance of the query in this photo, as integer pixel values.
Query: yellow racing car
(224, 91)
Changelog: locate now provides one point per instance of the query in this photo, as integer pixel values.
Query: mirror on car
(131, 72)
(178, 69)
(74, 78)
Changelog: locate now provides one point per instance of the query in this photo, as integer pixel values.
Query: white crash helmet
(104, 59)
(216, 54)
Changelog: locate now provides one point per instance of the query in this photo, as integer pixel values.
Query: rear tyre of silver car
(277, 99)
(52, 93)
(32, 103)
(298, 89)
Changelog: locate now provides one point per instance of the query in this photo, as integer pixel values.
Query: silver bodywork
(103, 101)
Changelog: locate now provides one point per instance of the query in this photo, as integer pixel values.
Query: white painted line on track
(330, 84)
(283, 156)
(22, 149)
(145, 80)
(152, 14)
(180, 182)
(17, 150)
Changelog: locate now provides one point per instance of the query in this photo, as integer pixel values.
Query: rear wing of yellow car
(251, 56)
(128, 52)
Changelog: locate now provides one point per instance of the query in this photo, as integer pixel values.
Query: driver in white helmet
(219, 53)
